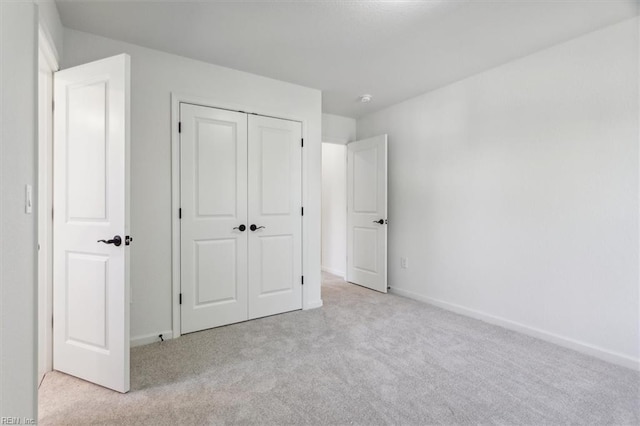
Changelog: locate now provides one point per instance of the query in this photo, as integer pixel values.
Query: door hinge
(302, 280)
(302, 142)
(180, 213)
(301, 211)
(180, 299)
(179, 126)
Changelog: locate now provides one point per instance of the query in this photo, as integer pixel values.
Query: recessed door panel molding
(86, 151)
(275, 202)
(365, 178)
(365, 249)
(213, 191)
(277, 264)
(367, 213)
(91, 187)
(87, 298)
(216, 158)
(216, 259)
(275, 152)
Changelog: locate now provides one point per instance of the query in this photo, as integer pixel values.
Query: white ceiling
(393, 50)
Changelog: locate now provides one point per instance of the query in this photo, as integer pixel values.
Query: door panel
(275, 171)
(87, 152)
(87, 304)
(216, 156)
(216, 258)
(91, 282)
(213, 155)
(365, 249)
(275, 202)
(365, 178)
(277, 264)
(366, 206)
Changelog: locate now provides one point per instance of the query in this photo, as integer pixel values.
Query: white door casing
(367, 213)
(213, 155)
(47, 65)
(275, 203)
(91, 190)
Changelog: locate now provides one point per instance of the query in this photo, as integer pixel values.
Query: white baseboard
(585, 348)
(333, 271)
(150, 338)
(312, 305)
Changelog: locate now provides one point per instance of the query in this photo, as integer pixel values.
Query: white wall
(334, 208)
(514, 194)
(154, 75)
(18, 137)
(51, 24)
(338, 129)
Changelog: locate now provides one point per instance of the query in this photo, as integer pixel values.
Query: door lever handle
(381, 221)
(241, 228)
(254, 227)
(116, 241)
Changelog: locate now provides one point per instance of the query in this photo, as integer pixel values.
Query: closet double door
(241, 223)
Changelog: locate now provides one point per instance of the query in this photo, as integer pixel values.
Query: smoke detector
(365, 98)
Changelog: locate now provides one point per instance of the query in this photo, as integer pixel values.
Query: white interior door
(275, 216)
(213, 158)
(91, 285)
(367, 213)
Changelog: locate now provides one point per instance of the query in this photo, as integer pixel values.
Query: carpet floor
(364, 358)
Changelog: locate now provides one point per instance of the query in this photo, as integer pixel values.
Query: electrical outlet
(404, 262)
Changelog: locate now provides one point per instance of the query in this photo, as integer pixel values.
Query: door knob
(254, 227)
(381, 221)
(116, 241)
(241, 228)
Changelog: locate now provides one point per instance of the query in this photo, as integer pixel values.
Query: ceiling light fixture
(365, 98)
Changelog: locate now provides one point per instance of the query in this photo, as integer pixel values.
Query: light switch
(28, 199)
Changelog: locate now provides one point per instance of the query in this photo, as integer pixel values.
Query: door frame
(176, 100)
(44, 209)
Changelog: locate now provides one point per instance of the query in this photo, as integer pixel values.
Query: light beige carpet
(364, 358)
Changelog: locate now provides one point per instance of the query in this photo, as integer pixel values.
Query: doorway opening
(334, 209)
(354, 211)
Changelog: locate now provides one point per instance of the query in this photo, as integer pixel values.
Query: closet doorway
(240, 216)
